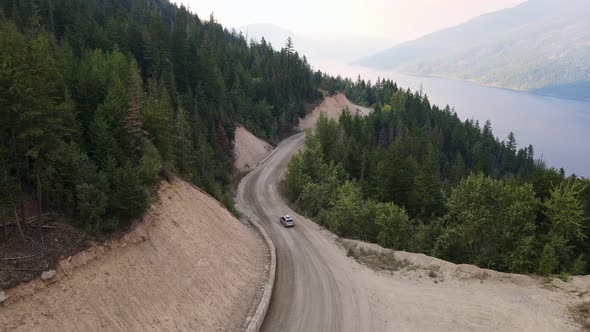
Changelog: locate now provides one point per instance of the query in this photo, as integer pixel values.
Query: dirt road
(319, 288)
(308, 295)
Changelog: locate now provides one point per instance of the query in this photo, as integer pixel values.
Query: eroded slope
(189, 265)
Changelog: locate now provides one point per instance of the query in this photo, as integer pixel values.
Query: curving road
(312, 292)
(318, 288)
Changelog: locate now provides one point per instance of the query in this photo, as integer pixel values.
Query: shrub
(92, 205)
(394, 226)
(579, 267)
(150, 165)
(548, 262)
(490, 222)
(564, 276)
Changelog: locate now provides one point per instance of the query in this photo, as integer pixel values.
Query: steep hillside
(249, 150)
(332, 107)
(98, 97)
(189, 265)
(540, 44)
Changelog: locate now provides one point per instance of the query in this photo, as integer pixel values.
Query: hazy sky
(398, 20)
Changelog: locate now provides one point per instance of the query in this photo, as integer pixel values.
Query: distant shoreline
(490, 86)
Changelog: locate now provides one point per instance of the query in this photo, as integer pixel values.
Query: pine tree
(548, 262)
(289, 46)
(36, 105)
(134, 115)
(567, 219)
(426, 191)
(509, 153)
(458, 169)
(183, 147)
(158, 119)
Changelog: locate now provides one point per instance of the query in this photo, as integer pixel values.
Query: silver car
(287, 221)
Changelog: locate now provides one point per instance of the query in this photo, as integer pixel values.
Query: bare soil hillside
(462, 296)
(189, 265)
(249, 150)
(331, 107)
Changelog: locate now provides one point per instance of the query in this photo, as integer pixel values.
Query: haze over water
(558, 129)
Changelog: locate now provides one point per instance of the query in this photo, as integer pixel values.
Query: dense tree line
(412, 176)
(98, 98)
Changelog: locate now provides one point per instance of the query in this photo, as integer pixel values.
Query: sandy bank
(190, 265)
(249, 150)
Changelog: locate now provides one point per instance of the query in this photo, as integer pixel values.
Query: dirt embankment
(249, 150)
(190, 265)
(332, 108)
(466, 297)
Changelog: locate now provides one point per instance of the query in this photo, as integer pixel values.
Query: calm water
(559, 129)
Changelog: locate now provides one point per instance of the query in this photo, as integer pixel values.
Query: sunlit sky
(398, 20)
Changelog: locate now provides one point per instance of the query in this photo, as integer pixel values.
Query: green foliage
(150, 165)
(351, 216)
(491, 220)
(565, 211)
(565, 277)
(296, 178)
(316, 196)
(92, 206)
(567, 222)
(11, 194)
(394, 226)
(382, 178)
(158, 119)
(412, 153)
(426, 193)
(521, 259)
(580, 265)
(128, 198)
(94, 107)
(426, 235)
(183, 141)
(548, 262)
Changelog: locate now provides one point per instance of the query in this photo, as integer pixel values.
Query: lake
(558, 129)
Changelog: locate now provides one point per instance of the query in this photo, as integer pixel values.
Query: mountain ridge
(538, 46)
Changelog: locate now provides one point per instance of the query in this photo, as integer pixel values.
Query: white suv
(287, 221)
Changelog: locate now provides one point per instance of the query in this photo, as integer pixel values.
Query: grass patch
(565, 277)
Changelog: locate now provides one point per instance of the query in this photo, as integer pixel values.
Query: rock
(3, 297)
(48, 275)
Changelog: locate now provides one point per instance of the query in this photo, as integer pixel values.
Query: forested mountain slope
(540, 45)
(412, 176)
(98, 98)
